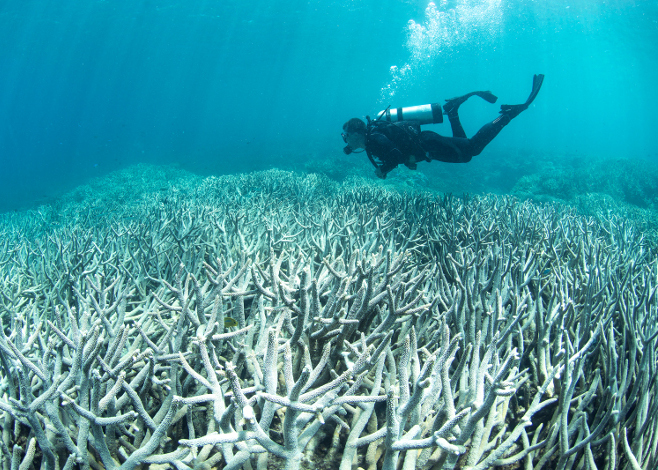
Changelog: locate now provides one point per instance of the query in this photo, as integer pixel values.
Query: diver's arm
(389, 165)
(384, 149)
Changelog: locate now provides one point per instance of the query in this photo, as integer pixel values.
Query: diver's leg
(507, 112)
(486, 134)
(445, 149)
(513, 110)
(456, 125)
(452, 105)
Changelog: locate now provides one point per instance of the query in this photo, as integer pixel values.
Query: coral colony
(278, 321)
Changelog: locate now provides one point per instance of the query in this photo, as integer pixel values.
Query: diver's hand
(379, 173)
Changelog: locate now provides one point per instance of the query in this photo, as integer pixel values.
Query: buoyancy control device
(423, 114)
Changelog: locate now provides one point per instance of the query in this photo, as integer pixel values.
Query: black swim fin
(487, 96)
(513, 110)
(537, 81)
(453, 104)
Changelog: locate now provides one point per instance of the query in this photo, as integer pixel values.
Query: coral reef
(375, 329)
(630, 181)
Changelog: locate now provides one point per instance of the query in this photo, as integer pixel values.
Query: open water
(88, 87)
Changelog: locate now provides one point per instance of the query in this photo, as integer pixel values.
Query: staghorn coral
(629, 181)
(375, 330)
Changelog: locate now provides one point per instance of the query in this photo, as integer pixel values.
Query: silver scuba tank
(424, 114)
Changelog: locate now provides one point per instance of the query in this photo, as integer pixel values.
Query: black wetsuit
(391, 144)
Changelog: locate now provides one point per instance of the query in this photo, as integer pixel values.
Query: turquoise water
(133, 139)
(89, 87)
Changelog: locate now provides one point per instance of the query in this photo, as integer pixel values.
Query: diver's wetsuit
(395, 143)
(403, 142)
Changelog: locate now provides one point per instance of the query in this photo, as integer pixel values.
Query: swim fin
(537, 81)
(487, 96)
(513, 110)
(453, 104)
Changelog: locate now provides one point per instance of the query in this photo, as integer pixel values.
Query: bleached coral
(374, 329)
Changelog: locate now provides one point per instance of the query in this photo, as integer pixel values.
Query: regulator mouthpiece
(424, 114)
(347, 149)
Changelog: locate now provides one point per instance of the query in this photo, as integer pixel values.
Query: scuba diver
(394, 137)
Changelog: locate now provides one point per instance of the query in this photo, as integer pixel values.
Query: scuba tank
(424, 114)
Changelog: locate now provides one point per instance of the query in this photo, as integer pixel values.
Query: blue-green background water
(91, 86)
